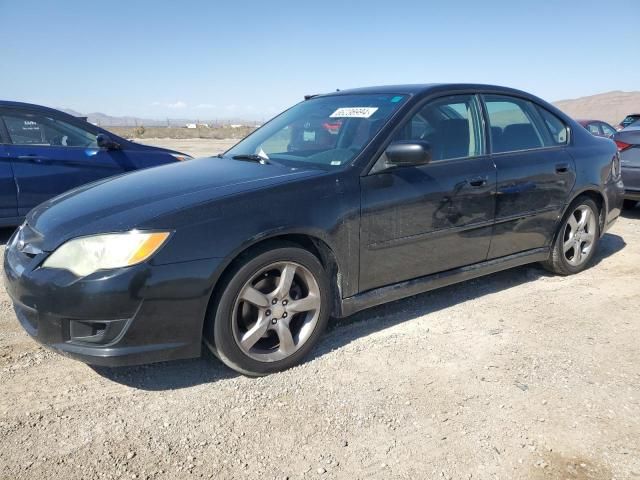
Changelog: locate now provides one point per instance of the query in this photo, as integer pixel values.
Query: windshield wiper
(252, 158)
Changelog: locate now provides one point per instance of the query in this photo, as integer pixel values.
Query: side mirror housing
(408, 153)
(105, 141)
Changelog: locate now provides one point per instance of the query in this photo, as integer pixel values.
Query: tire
(629, 204)
(577, 238)
(277, 289)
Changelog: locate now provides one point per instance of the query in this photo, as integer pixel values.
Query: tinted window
(629, 120)
(514, 124)
(324, 131)
(451, 125)
(36, 129)
(593, 129)
(607, 129)
(557, 132)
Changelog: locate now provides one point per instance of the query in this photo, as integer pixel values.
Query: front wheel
(272, 311)
(577, 238)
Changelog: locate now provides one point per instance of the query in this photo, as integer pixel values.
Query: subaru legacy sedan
(45, 152)
(411, 188)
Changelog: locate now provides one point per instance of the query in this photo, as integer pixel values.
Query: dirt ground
(196, 147)
(519, 375)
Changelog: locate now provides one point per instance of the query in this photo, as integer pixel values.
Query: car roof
(419, 89)
(33, 106)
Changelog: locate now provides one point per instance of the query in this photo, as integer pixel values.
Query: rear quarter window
(557, 129)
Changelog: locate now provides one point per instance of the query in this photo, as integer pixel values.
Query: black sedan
(409, 188)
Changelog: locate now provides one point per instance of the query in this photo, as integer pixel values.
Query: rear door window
(514, 124)
(594, 129)
(607, 130)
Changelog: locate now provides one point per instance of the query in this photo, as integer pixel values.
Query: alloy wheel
(276, 311)
(579, 235)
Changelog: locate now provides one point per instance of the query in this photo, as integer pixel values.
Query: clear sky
(250, 59)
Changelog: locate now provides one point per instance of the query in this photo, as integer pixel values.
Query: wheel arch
(592, 192)
(305, 240)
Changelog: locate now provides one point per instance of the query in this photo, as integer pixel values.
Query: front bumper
(141, 314)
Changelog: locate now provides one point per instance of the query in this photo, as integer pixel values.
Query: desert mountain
(611, 107)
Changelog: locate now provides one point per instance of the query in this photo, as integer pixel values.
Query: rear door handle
(562, 168)
(478, 181)
(34, 158)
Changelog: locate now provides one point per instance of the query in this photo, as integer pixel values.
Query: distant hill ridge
(611, 107)
(105, 120)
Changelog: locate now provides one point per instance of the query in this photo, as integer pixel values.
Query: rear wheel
(272, 311)
(629, 204)
(577, 238)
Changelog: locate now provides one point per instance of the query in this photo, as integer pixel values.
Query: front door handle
(562, 168)
(478, 181)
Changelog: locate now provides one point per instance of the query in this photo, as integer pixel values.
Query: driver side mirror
(104, 141)
(408, 153)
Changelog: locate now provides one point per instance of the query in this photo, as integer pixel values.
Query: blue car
(45, 152)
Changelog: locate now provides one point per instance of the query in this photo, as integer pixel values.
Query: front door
(421, 220)
(50, 156)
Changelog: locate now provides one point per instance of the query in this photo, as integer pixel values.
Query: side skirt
(408, 288)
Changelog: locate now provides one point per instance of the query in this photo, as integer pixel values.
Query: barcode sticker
(354, 112)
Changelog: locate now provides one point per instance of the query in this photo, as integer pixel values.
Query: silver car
(628, 141)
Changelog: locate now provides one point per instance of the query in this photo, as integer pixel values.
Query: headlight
(180, 157)
(85, 255)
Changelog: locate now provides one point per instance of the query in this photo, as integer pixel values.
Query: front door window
(41, 130)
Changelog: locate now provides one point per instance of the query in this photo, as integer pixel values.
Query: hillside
(611, 107)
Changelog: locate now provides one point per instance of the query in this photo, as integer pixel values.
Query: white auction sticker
(354, 112)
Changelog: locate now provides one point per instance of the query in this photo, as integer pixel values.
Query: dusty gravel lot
(196, 147)
(517, 375)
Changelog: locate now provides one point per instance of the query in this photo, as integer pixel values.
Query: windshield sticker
(396, 99)
(336, 162)
(354, 112)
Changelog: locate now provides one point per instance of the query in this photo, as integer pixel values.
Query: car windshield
(327, 132)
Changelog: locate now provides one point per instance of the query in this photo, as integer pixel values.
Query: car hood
(125, 202)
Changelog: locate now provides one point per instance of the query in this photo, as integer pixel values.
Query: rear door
(535, 173)
(50, 155)
(8, 192)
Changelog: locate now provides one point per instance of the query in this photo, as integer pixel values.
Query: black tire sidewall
(571, 269)
(225, 346)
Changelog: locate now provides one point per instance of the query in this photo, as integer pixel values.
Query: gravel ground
(517, 375)
(196, 147)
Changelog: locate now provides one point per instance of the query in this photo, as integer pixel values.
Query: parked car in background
(628, 142)
(628, 120)
(253, 252)
(45, 152)
(597, 128)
